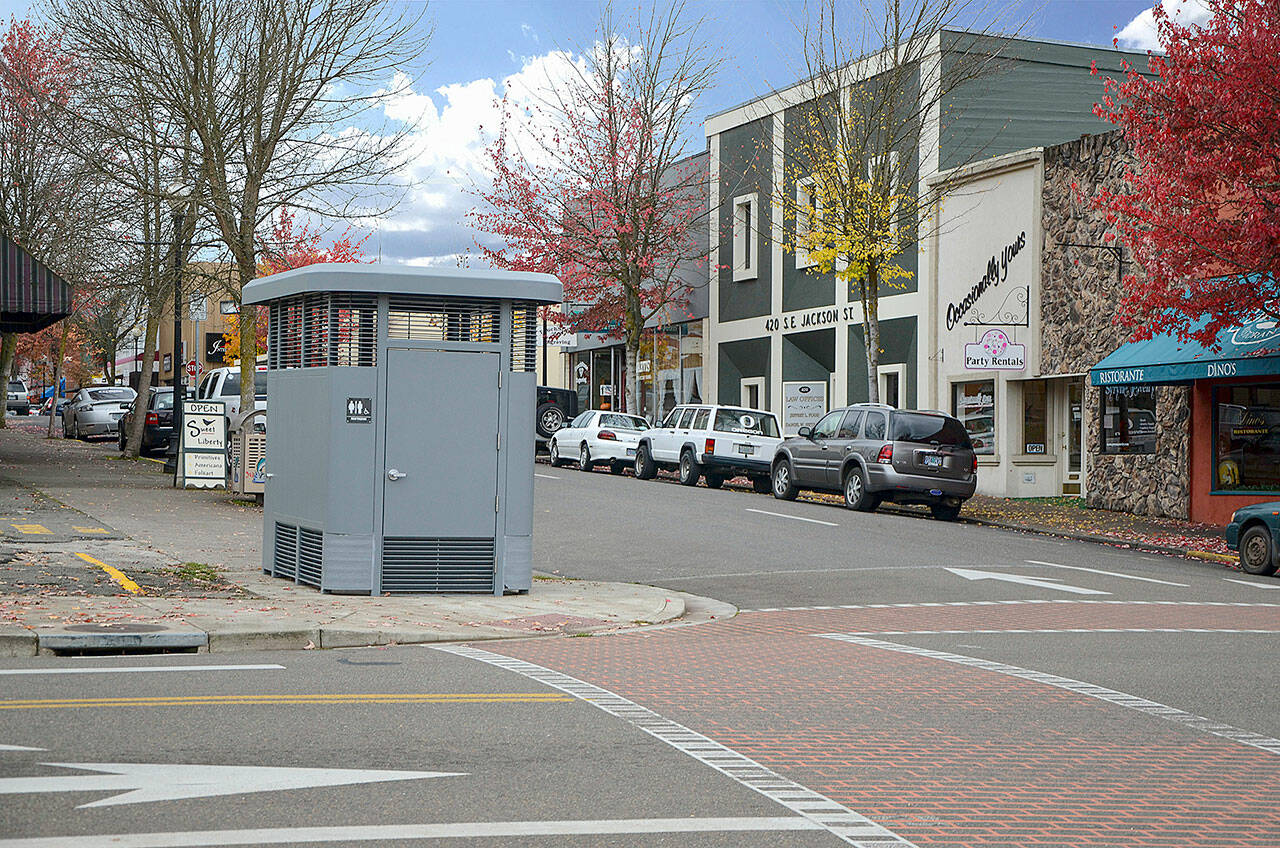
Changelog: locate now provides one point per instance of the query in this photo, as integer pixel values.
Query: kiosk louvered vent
(443, 319)
(285, 563)
(322, 328)
(418, 565)
(524, 337)
(310, 556)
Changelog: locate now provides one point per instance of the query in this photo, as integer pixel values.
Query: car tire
(945, 512)
(549, 418)
(690, 470)
(584, 458)
(856, 495)
(554, 451)
(1257, 553)
(762, 485)
(646, 468)
(617, 466)
(75, 429)
(120, 438)
(782, 481)
(714, 481)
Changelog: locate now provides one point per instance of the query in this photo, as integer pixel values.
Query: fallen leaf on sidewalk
(310, 646)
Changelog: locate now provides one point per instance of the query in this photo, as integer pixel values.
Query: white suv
(224, 384)
(718, 442)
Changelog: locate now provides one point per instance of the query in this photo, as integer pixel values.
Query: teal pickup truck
(1254, 532)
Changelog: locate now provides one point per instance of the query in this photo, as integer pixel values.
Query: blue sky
(482, 49)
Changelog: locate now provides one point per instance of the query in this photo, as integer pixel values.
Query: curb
(284, 639)
(18, 642)
(51, 643)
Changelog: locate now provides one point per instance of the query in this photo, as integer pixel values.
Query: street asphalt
(890, 680)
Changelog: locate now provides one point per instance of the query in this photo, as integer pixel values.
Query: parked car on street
(598, 437)
(223, 384)
(1254, 532)
(17, 401)
(873, 453)
(159, 422)
(556, 407)
(715, 442)
(96, 411)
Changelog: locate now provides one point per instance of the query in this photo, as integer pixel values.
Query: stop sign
(193, 368)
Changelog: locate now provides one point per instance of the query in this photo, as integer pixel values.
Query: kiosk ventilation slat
(443, 319)
(322, 329)
(524, 337)
(435, 565)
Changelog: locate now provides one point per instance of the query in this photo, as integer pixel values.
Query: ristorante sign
(997, 273)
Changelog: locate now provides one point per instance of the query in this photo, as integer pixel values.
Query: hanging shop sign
(995, 351)
(803, 404)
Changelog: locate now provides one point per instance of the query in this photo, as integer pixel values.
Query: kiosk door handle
(393, 474)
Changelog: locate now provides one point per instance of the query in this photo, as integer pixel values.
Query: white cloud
(452, 126)
(529, 33)
(1140, 33)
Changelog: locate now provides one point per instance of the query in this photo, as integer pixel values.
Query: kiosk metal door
(440, 475)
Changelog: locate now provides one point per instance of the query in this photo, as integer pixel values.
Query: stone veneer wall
(1079, 292)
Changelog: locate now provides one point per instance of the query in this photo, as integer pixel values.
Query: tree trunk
(248, 338)
(57, 372)
(7, 349)
(133, 439)
(871, 330)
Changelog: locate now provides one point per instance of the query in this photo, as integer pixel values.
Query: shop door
(1073, 439)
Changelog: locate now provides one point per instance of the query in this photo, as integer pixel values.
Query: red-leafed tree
(287, 247)
(589, 182)
(1201, 211)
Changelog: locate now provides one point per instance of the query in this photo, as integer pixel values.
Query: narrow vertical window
(746, 214)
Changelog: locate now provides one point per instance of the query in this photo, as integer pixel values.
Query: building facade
(775, 324)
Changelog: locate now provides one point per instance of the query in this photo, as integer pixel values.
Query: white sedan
(597, 437)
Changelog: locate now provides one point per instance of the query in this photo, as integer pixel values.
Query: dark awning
(1250, 350)
(31, 296)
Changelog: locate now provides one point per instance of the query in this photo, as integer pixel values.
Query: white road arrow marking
(168, 782)
(1038, 582)
(18, 748)
(1251, 583)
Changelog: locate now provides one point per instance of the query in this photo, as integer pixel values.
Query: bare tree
(277, 99)
(852, 197)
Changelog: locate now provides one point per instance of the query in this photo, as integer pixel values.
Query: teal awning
(1248, 351)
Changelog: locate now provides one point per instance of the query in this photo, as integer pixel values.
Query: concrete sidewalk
(188, 573)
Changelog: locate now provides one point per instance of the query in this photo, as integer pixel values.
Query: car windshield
(16, 386)
(624, 422)
(746, 422)
(97, 395)
(231, 385)
(162, 400)
(929, 429)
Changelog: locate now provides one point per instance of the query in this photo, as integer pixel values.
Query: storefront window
(691, 362)
(974, 404)
(1129, 419)
(1035, 411)
(1246, 455)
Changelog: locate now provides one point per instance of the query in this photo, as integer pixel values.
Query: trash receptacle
(248, 453)
(402, 427)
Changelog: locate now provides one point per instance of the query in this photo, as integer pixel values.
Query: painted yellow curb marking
(1216, 557)
(115, 574)
(259, 700)
(31, 529)
(90, 529)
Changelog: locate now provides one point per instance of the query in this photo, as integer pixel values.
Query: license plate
(631, 451)
(932, 461)
(745, 450)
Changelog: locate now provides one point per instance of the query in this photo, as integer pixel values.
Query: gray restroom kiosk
(400, 450)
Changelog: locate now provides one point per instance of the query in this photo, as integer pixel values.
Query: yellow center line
(31, 529)
(252, 700)
(115, 574)
(89, 529)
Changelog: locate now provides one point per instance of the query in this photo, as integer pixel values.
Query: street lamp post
(177, 203)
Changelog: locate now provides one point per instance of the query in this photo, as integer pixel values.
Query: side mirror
(805, 433)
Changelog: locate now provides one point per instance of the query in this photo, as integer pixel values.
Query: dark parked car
(556, 407)
(1254, 532)
(159, 423)
(875, 453)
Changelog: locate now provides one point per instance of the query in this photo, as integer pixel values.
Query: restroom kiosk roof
(393, 279)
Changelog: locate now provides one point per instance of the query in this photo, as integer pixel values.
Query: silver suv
(875, 453)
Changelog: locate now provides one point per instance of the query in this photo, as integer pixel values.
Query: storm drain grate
(433, 566)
